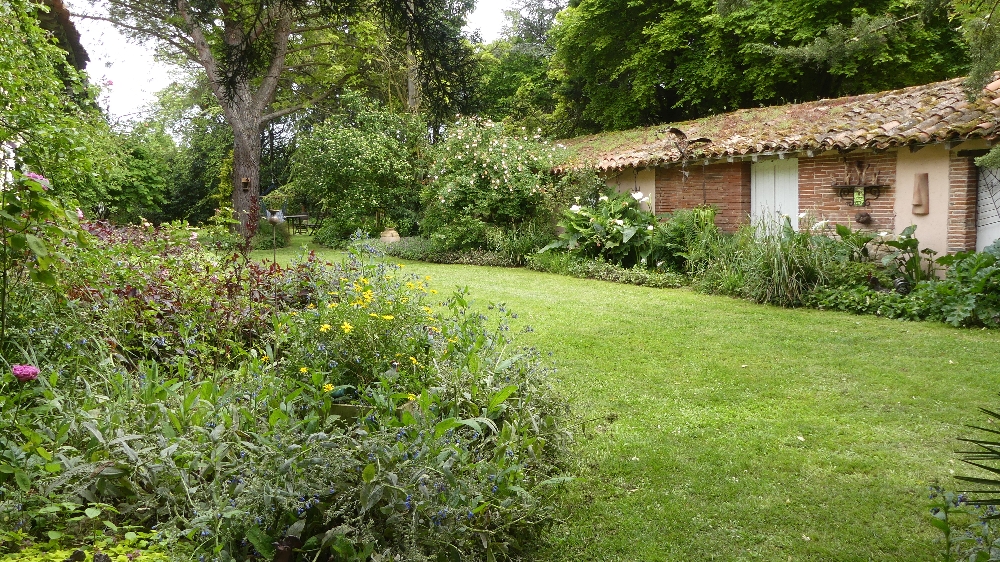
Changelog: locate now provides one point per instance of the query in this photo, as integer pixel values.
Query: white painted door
(988, 208)
(774, 190)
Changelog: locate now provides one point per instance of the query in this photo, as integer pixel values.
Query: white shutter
(774, 190)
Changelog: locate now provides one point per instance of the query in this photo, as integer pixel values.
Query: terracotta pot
(389, 236)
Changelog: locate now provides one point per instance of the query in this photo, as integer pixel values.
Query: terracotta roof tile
(917, 114)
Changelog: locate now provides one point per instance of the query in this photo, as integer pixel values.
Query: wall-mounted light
(245, 182)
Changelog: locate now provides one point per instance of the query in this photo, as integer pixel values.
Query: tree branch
(885, 26)
(288, 110)
(178, 42)
(299, 30)
(205, 58)
(313, 46)
(265, 93)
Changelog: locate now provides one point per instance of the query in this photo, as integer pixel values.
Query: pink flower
(38, 178)
(25, 373)
(79, 213)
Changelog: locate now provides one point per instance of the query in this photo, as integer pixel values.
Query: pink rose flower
(25, 373)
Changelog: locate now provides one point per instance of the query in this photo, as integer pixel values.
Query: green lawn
(715, 429)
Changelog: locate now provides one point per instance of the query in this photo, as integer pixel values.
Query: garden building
(876, 161)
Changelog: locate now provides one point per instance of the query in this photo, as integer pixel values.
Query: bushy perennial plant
(619, 229)
(233, 410)
(484, 175)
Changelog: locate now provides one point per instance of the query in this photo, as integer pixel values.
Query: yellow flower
(409, 284)
(304, 370)
(325, 328)
(427, 277)
(294, 313)
(265, 358)
(404, 300)
(363, 280)
(332, 305)
(327, 387)
(411, 397)
(428, 309)
(346, 327)
(332, 293)
(310, 306)
(373, 315)
(434, 291)
(387, 317)
(413, 360)
(400, 265)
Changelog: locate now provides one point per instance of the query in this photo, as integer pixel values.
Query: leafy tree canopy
(625, 63)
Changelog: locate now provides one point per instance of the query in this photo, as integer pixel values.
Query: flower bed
(201, 400)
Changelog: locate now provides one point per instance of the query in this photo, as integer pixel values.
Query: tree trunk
(246, 174)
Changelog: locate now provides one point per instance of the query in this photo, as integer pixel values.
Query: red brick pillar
(962, 179)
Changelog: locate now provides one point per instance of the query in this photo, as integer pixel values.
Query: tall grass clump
(766, 262)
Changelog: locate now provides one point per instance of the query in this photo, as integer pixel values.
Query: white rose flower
(637, 195)
(650, 227)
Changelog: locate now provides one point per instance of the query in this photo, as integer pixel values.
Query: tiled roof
(917, 115)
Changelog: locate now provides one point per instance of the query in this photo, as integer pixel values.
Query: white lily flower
(575, 209)
(602, 198)
(650, 227)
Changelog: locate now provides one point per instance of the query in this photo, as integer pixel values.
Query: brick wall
(724, 185)
(962, 178)
(727, 187)
(819, 199)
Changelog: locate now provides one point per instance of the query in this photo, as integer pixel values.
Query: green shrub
(422, 249)
(362, 167)
(615, 228)
(484, 176)
(586, 268)
(270, 236)
(220, 233)
(336, 232)
(969, 295)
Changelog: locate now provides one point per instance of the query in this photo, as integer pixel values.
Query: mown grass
(715, 429)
